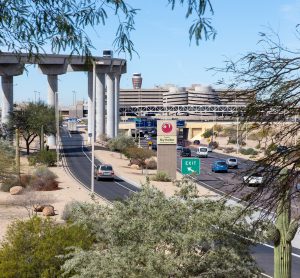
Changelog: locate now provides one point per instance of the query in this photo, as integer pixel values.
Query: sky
(165, 54)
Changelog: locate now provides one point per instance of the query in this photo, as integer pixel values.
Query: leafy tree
(139, 155)
(6, 159)
(31, 248)
(121, 143)
(208, 133)
(271, 74)
(29, 26)
(31, 119)
(150, 235)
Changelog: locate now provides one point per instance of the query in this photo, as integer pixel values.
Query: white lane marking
(124, 186)
(266, 275)
(95, 166)
(270, 246)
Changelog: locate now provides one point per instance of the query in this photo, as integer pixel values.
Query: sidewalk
(136, 177)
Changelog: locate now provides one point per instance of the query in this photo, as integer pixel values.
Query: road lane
(78, 162)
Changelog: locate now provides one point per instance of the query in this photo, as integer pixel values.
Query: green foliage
(248, 151)
(121, 143)
(161, 176)
(150, 235)
(271, 148)
(139, 154)
(8, 183)
(31, 247)
(7, 161)
(207, 133)
(30, 119)
(48, 158)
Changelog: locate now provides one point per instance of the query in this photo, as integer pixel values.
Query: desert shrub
(272, 147)
(43, 180)
(44, 172)
(214, 144)
(151, 164)
(248, 151)
(207, 133)
(34, 247)
(45, 157)
(32, 159)
(229, 150)
(231, 140)
(161, 176)
(139, 155)
(69, 208)
(8, 183)
(120, 143)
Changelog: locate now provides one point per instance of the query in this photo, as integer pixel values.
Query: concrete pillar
(100, 104)
(110, 119)
(7, 97)
(90, 101)
(117, 106)
(52, 89)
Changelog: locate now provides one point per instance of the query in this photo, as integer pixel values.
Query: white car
(232, 162)
(202, 152)
(253, 179)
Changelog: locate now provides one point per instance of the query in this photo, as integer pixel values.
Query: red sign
(167, 127)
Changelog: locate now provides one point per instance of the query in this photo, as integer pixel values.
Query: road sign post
(190, 166)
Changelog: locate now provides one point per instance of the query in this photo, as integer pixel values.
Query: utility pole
(57, 128)
(18, 152)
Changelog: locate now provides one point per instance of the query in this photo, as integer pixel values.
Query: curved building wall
(202, 95)
(175, 96)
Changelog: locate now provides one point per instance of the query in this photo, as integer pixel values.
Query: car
(254, 179)
(196, 142)
(282, 149)
(104, 171)
(219, 166)
(179, 148)
(202, 152)
(154, 147)
(186, 152)
(232, 162)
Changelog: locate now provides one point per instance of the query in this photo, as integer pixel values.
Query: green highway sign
(190, 166)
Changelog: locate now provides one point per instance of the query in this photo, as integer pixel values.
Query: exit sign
(190, 166)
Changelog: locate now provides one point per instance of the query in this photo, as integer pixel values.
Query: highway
(78, 162)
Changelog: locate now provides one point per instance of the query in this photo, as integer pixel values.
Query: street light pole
(93, 130)
(57, 128)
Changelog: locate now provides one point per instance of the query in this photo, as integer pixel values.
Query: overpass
(103, 72)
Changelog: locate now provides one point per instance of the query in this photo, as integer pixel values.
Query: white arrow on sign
(190, 169)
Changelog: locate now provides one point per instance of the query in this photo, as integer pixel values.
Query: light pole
(57, 128)
(93, 129)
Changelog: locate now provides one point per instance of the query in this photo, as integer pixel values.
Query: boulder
(39, 208)
(48, 211)
(134, 166)
(16, 190)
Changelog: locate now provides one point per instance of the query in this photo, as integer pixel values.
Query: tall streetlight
(93, 129)
(57, 127)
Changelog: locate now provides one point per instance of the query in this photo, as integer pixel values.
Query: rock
(16, 190)
(39, 208)
(134, 166)
(48, 211)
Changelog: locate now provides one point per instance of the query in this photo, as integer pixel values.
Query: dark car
(154, 147)
(282, 149)
(197, 142)
(186, 152)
